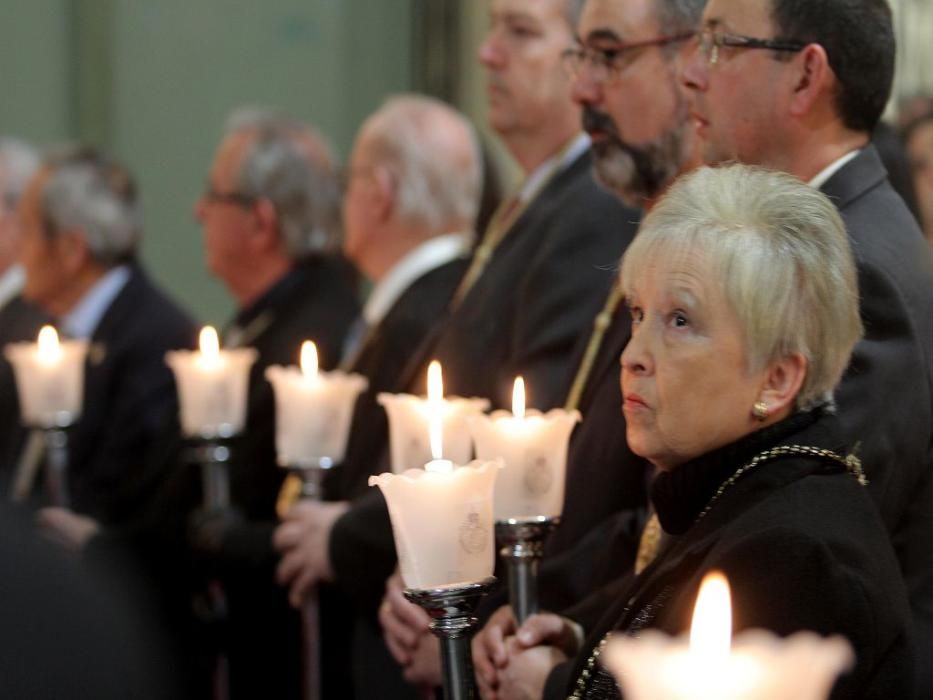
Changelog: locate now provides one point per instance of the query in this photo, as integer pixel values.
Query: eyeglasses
(606, 64)
(710, 41)
(240, 199)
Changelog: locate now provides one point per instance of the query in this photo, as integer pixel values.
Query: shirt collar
(560, 160)
(81, 322)
(428, 256)
(822, 177)
(11, 283)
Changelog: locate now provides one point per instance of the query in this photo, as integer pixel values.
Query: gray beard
(639, 173)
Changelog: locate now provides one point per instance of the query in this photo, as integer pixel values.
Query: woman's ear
(782, 382)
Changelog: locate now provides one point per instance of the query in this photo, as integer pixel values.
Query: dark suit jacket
(381, 360)
(537, 296)
(535, 301)
(129, 395)
(803, 548)
(316, 300)
(886, 397)
(19, 321)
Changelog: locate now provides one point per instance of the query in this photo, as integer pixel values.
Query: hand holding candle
(212, 386)
(313, 411)
(49, 378)
(757, 666)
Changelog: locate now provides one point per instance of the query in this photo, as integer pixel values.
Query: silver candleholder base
(521, 545)
(312, 477)
(452, 621)
(213, 456)
(56, 466)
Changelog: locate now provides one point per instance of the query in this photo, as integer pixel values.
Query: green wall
(153, 80)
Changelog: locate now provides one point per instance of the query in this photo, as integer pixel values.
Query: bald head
(432, 153)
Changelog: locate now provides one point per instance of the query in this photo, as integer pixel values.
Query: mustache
(599, 121)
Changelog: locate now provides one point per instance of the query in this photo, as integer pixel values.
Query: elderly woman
(744, 310)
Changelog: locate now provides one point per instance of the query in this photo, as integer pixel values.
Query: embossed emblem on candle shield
(538, 476)
(473, 534)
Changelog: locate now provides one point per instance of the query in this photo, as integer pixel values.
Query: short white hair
(291, 164)
(780, 252)
(87, 192)
(433, 153)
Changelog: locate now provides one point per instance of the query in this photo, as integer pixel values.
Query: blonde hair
(780, 252)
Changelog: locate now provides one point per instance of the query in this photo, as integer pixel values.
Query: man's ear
(384, 196)
(267, 232)
(73, 250)
(812, 78)
(782, 382)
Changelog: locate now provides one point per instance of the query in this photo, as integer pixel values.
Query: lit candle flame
(518, 398)
(436, 409)
(711, 629)
(49, 350)
(210, 344)
(309, 363)
(435, 382)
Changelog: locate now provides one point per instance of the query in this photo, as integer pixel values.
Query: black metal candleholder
(521, 546)
(451, 610)
(56, 465)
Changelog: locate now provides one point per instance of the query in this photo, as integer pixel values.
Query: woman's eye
(679, 320)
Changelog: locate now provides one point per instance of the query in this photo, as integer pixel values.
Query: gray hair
(18, 161)
(434, 155)
(85, 191)
(780, 251)
(290, 164)
(677, 17)
(572, 11)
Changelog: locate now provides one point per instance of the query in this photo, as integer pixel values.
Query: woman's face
(686, 387)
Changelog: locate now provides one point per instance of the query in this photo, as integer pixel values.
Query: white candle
(533, 447)
(757, 666)
(442, 522)
(313, 410)
(409, 443)
(212, 386)
(49, 378)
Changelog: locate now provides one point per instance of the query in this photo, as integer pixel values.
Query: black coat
(535, 301)
(886, 397)
(536, 297)
(802, 546)
(382, 358)
(316, 300)
(129, 396)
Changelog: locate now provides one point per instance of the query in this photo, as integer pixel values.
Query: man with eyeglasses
(270, 215)
(798, 85)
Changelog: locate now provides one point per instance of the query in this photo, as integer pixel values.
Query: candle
(533, 447)
(212, 386)
(49, 378)
(409, 441)
(757, 666)
(313, 410)
(442, 522)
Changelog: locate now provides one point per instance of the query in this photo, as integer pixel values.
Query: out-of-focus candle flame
(435, 383)
(209, 343)
(711, 629)
(518, 398)
(436, 434)
(309, 363)
(49, 350)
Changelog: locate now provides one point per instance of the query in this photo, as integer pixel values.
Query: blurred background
(151, 82)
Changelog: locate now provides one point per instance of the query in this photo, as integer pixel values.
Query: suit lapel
(855, 178)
